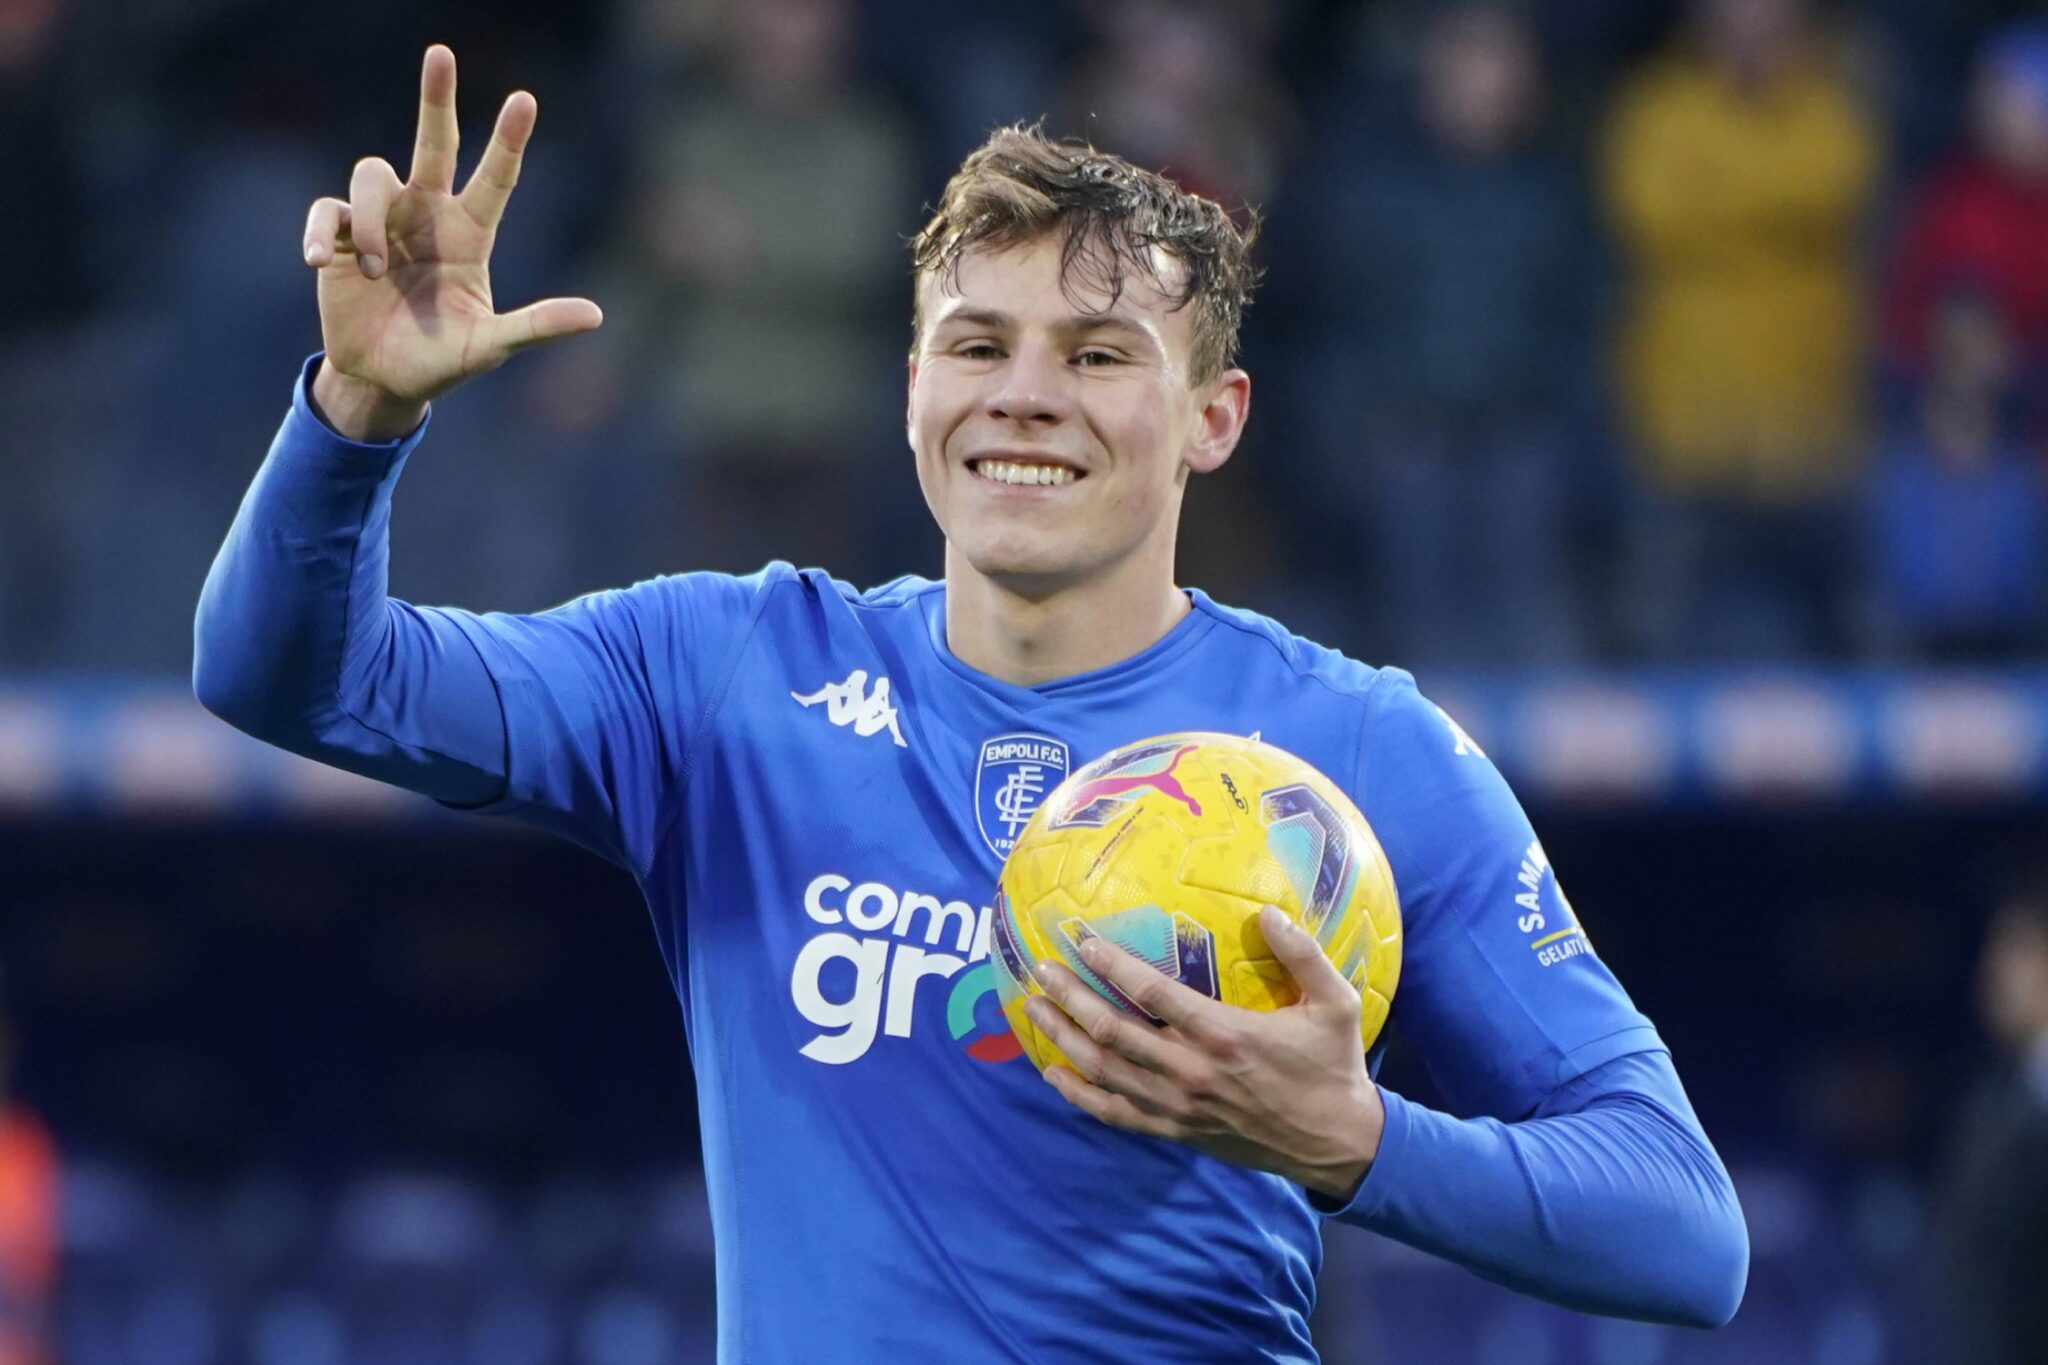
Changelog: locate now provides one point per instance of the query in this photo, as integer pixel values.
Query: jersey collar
(1198, 621)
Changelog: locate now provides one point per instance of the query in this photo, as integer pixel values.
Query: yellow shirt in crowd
(1742, 350)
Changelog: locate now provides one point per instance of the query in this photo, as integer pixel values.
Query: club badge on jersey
(1014, 774)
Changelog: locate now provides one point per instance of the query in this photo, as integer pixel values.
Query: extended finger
(543, 321)
(1150, 989)
(433, 148)
(1323, 987)
(370, 191)
(327, 231)
(498, 171)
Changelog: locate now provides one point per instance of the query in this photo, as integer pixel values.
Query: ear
(1226, 401)
(910, 394)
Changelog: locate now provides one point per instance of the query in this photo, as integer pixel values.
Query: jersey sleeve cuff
(309, 428)
(1397, 1153)
(1382, 1175)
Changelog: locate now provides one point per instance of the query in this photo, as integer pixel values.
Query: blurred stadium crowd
(1665, 332)
(1594, 330)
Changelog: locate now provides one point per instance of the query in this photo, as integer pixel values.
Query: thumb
(543, 321)
(1320, 981)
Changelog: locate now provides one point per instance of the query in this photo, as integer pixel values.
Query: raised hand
(404, 284)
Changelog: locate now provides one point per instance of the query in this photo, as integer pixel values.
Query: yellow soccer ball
(1167, 848)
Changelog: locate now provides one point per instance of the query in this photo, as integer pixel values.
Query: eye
(1097, 359)
(978, 350)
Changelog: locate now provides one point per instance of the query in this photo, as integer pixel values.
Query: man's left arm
(1606, 1198)
(1582, 1175)
(1576, 1169)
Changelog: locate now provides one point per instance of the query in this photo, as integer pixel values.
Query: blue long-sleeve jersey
(815, 797)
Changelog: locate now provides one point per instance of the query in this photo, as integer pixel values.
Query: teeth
(1017, 472)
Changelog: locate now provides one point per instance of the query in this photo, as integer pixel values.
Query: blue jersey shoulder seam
(712, 701)
(1224, 616)
(898, 599)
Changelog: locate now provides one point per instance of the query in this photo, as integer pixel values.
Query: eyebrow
(1078, 322)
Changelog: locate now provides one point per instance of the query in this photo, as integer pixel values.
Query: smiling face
(1054, 425)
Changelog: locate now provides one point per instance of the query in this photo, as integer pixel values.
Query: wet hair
(1021, 185)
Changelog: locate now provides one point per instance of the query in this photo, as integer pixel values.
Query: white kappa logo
(850, 703)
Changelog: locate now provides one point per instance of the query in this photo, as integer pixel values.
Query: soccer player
(814, 785)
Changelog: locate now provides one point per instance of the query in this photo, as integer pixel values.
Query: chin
(1025, 568)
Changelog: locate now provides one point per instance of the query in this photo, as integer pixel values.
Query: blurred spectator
(1980, 223)
(764, 281)
(1920, 60)
(1738, 169)
(1458, 258)
(1960, 521)
(964, 69)
(28, 1222)
(1185, 89)
(1996, 1185)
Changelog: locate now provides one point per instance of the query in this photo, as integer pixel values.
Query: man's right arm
(297, 643)
(580, 718)
(296, 639)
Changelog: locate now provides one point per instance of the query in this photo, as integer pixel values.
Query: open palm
(404, 283)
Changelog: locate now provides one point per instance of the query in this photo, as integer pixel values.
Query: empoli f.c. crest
(1015, 773)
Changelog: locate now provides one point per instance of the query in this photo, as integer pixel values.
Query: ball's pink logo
(1154, 766)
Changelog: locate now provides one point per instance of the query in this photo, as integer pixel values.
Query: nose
(1030, 388)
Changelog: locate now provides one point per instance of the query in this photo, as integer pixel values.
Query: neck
(1027, 638)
